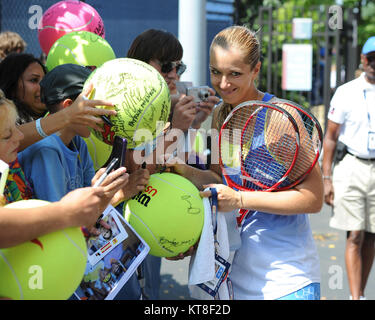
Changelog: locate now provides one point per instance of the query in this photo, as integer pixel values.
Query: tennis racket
(258, 146)
(311, 138)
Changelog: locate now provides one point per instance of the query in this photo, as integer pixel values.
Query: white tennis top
(278, 256)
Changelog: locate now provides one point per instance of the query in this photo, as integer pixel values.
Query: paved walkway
(330, 244)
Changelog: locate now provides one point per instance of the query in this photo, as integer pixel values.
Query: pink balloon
(65, 17)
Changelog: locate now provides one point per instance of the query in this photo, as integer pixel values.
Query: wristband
(39, 129)
(241, 204)
(327, 177)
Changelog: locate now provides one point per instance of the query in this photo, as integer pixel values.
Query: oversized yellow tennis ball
(84, 48)
(140, 96)
(168, 214)
(47, 268)
(98, 150)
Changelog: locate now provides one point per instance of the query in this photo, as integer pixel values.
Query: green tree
(247, 12)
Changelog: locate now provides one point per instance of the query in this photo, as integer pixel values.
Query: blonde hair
(246, 41)
(8, 111)
(242, 38)
(11, 42)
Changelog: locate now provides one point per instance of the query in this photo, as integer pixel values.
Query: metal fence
(335, 53)
(22, 16)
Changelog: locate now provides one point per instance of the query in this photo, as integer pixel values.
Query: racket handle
(242, 215)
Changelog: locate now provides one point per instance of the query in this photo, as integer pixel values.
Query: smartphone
(4, 170)
(115, 161)
(118, 151)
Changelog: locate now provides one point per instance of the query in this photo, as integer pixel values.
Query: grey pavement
(330, 244)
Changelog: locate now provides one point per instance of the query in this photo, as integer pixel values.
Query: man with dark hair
(162, 50)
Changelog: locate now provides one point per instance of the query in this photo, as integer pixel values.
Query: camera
(199, 93)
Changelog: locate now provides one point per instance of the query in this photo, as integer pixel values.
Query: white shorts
(354, 201)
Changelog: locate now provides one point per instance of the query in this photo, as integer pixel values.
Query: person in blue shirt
(20, 225)
(60, 162)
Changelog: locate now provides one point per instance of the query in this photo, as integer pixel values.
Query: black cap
(62, 82)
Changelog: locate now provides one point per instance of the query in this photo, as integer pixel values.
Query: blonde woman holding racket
(277, 258)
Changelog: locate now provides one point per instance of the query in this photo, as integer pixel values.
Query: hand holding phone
(115, 161)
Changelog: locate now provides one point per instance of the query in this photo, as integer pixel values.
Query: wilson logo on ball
(168, 198)
(142, 196)
(150, 190)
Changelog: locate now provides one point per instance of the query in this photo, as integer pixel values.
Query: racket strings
(267, 149)
(263, 151)
(310, 141)
(230, 140)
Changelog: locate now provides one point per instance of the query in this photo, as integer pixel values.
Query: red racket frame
(320, 133)
(261, 105)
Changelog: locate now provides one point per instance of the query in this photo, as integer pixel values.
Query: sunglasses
(167, 67)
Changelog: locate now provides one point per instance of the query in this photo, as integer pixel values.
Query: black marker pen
(106, 173)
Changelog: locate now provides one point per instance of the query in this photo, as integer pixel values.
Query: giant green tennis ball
(47, 268)
(140, 96)
(168, 214)
(84, 48)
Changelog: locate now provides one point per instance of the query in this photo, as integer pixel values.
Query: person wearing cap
(349, 184)
(60, 162)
